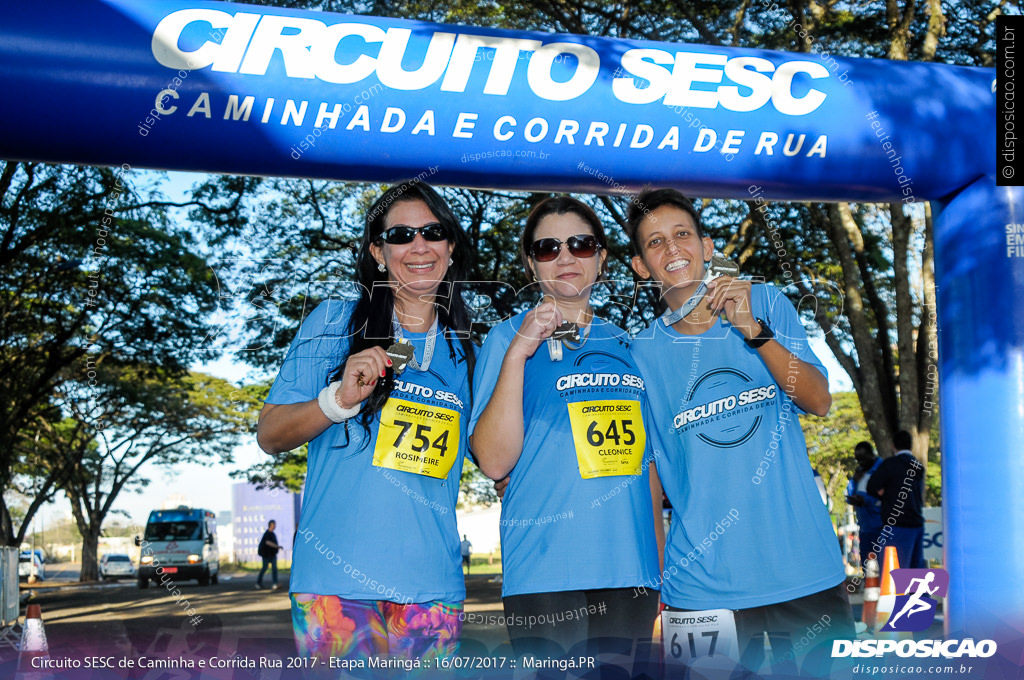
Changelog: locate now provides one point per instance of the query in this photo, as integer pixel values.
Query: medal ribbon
(669, 317)
(428, 351)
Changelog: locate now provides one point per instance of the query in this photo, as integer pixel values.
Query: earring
(381, 267)
(450, 261)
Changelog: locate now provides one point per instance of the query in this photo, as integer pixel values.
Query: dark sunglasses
(547, 249)
(400, 235)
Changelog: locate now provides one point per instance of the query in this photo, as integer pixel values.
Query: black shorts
(557, 623)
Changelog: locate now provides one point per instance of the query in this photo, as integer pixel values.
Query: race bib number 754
(417, 438)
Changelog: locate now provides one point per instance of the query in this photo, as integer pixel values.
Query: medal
(400, 353)
(568, 330)
(718, 266)
(721, 266)
(554, 349)
(403, 354)
(568, 334)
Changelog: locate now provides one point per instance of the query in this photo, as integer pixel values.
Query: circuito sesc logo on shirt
(725, 406)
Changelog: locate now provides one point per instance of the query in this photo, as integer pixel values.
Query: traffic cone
(871, 592)
(887, 597)
(33, 642)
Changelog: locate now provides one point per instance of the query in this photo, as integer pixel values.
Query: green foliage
(476, 488)
(94, 274)
(106, 296)
(830, 444)
(308, 228)
(128, 416)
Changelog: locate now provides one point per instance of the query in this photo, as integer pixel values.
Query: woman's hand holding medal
(732, 296)
(538, 325)
(362, 371)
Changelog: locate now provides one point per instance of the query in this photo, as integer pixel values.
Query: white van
(179, 545)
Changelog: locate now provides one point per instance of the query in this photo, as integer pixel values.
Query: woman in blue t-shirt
(561, 407)
(379, 385)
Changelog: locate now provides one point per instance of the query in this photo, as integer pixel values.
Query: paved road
(229, 618)
(106, 618)
(63, 571)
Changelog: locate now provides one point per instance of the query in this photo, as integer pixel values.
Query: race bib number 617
(417, 438)
(693, 634)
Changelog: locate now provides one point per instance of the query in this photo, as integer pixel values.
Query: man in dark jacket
(869, 508)
(268, 551)
(899, 483)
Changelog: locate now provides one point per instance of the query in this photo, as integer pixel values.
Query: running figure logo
(915, 609)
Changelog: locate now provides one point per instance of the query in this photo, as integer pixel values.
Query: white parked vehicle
(29, 563)
(179, 545)
(113, 567)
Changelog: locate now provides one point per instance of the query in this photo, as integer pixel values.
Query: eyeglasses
(547, 249)
(402, 234)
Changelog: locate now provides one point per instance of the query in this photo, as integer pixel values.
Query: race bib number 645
(417, 438)
(609, 437)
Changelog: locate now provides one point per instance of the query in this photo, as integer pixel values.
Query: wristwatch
(764, 336)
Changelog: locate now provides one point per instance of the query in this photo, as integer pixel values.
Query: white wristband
(328, 401)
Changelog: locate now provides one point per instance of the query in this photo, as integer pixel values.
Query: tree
(93, 269)
(832, 439)
(38, 475)
(868, 268)
(134, 416)
(830, 444)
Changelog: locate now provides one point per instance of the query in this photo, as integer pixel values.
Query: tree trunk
(7, 536)
(90, 550)
(936, 30)
(899, 21)
(89, 525)
(874, 383)
(907, 379)
(927, 346)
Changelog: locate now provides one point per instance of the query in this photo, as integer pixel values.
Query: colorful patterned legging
(329, 626)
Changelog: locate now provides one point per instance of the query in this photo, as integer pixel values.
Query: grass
(478, 564)
(252, 567)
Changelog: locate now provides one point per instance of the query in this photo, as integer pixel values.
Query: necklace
(402, 352)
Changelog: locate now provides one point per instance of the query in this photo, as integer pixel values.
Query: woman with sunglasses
(561, 408)
(379, 386)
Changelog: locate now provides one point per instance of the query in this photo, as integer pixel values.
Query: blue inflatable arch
(229, 88)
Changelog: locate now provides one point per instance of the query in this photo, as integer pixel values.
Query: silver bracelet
(328, 401)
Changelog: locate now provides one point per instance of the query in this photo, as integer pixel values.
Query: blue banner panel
(979, 262)
(230, 88)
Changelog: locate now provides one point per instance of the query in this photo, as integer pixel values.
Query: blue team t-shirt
(377, 531)
(584, 416)
(749, 527)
